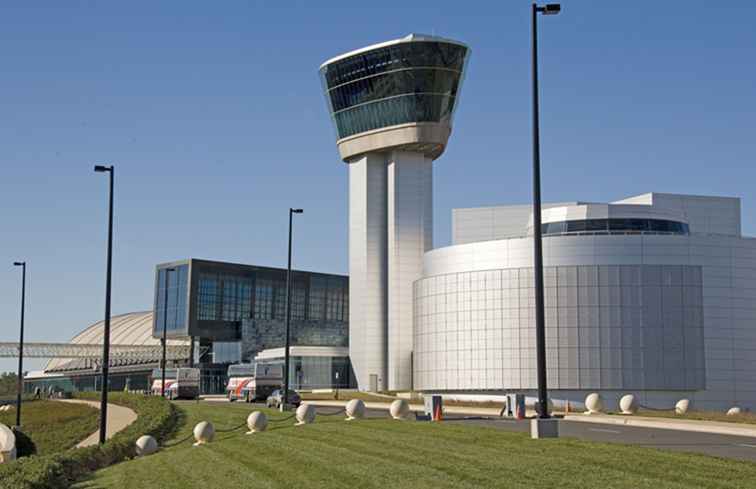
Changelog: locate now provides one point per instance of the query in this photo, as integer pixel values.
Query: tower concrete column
(410, 235)
(368, 270)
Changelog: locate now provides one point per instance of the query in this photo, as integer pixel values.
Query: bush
(24, 445)
(155, 416)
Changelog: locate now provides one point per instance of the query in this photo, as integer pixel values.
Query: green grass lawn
(383, 453)
(54, 426)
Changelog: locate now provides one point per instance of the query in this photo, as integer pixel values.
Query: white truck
(253, 381)
(180, 383)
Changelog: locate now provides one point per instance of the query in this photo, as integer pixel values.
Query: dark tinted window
(403, 83)
(390, 58)
(175, 317)
(615, 225)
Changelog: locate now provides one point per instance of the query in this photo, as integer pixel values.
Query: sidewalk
(474, 411)
(119, 418)
(716, 427)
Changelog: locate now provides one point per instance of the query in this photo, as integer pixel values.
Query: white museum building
(653, 295)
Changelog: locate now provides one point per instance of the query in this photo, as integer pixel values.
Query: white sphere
(305, 414)
(682, 406)
(734, 411)
(204, 432)
(257, 421)
(593, 403)
(146, 445)
(628, 404)
(355, 409)
(7, 439)
(399, 409)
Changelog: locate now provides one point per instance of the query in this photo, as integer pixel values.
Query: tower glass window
(396, 84)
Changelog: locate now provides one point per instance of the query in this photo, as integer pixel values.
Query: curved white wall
(727, 290)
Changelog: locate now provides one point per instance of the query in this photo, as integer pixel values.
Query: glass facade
(412, 81)
(615, 226)
(607, 327)
(178, 293)
(318, 372)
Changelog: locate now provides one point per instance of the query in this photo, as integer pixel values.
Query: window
(175, 316)
(406, 82)
(298, 299)
(263, 299)
(237, 298)
(336, 300)
(624, 226)
(318, 288)
(208, 297)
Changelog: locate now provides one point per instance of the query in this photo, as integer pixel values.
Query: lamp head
(297, 211)
(102, 168)
(550, 9)
(19, 263)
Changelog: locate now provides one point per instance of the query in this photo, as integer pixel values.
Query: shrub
(24, 445)
(155, 416)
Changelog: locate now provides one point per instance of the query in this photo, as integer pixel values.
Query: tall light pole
(20, 385)
(285, 399)
(106, 330)
(543, 400)
(165, 330)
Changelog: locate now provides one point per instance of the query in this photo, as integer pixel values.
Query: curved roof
(134, 328)
(413, 37)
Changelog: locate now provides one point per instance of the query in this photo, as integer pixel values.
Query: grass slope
(54, 426)
(384, 453)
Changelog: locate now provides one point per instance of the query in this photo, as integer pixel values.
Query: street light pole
(20, 385)
(543, 402)
(165, 330)
(285, 397)
(106, 330)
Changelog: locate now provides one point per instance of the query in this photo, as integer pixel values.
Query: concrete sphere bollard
(734, 411)
(257, 422)
(682, 406)
(146, 445)
(305, 414)
(7, 444)
(628, 404)
(355, 409)
(399, 409)
(593, 403)
(204, 432)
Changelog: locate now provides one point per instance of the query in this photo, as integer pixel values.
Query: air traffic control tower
(392, 105)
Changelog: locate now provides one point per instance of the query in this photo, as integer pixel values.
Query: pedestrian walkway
(119, 418)
(697, 426)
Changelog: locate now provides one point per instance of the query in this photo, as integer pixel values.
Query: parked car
(276, 398)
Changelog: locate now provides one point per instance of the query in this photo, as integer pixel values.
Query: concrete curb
(714, 427)
(119, 418)
(414, 407)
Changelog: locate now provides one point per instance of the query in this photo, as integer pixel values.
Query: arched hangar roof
(134, 328)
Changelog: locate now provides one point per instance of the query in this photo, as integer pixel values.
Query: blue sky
(212, 113)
